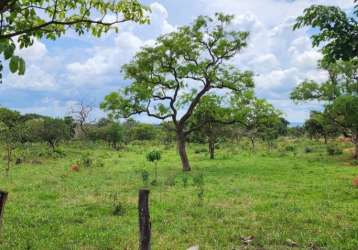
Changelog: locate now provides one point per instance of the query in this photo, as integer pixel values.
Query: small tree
(113, 134)
(80, 114)
(11, 132)
(11, 136)
(259, 119)
(319, 125)
(108, 131)
(345, 112)
(211, 113)
(53, 131)
(154, 156)
(170, 78)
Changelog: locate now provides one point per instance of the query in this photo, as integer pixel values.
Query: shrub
(118, 208)
(290, 148)
(334, 150)
(308, 150)
(200, 150)
(185, 179)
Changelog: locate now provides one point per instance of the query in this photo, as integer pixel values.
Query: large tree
(23, 21)
(337, 33)
(170, 78)
(260, 120)
(320, 125)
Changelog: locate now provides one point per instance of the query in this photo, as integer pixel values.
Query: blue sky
(74, 69)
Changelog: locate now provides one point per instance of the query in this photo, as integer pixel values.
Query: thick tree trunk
(212, 149)
(182, 151)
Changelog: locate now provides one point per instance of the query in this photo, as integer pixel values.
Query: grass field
(280, 200)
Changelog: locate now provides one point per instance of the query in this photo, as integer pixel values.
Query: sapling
(154, 156)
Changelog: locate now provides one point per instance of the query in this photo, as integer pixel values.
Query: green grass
(275, 197)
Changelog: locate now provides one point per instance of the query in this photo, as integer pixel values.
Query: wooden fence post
(3, 197)
(144, 220)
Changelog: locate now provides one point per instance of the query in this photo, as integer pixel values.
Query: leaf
(21, 66)
(14, 64)
(9, 51)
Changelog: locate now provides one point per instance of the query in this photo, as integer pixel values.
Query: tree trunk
(182, 151)
(3, 197)
(212, 149)
(325, 139)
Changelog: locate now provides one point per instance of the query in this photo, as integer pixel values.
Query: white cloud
(34, 53)
(159, 18)
(35, 79)
(105, 62)
(279, 57)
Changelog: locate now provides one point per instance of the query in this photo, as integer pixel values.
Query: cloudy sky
(73, 69)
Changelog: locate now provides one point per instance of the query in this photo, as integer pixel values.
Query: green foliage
(110, 132)
(24, 21)
(53, 131)
(319, 124)
(153, 156)
(170, 78)
(267, 194)
(145, 177)
(118, 208)
(334, 149)
(308, 150)
(337, 31)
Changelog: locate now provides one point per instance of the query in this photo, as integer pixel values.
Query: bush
(200, 150)
(334, 150)
(99, 163)
(308, 150)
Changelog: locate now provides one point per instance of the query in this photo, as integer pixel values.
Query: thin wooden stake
(3, 197)
(144, 220)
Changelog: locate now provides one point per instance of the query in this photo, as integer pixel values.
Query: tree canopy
(338, 31)
(23, 21)
(170, 78)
